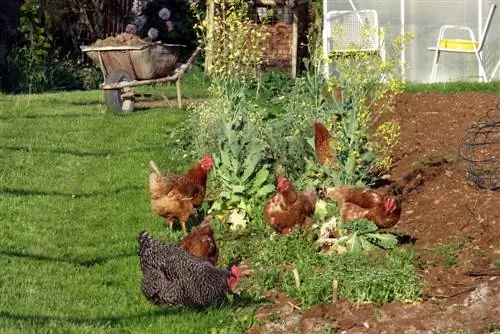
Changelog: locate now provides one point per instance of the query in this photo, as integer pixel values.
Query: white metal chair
(469, 46)
(354, 37)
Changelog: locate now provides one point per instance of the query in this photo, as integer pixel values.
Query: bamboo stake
(210, 32)
(296, 277)
(335, 291)
(295, 38)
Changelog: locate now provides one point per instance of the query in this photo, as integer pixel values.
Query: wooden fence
(118, 15)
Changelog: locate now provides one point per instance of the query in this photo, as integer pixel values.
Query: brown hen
(359, 203)
(288, 208)
(322, 144)
(175, 196)
(200, 242)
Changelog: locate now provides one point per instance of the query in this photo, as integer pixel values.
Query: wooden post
(294, 41)
(210, 32)
(178, 88)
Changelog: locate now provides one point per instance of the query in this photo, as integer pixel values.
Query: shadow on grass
(87, 103)
(31, 192)
(104, 320)
(42, 116)
(79, 262)
(149, 148)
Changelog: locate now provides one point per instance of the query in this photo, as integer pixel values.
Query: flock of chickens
(186, 274)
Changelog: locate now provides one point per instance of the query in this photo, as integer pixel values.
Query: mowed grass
(454, 87)
(73, 199)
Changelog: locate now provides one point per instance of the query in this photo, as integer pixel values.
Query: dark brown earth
(455, 224)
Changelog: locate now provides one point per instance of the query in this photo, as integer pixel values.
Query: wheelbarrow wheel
(119, 100)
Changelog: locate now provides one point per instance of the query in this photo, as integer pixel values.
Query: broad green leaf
(350, 165)
(265, 190)
(250, 164)
(243, 206)
(365, 243)
(320, 210)
(235, 148)
(235, 199)
(225, 180)
(354, 244)
(238, 189)
(224, 156)
(367, 156)
(225, 194)
(384, 240)
(260, 178)
(236, 166)
(216, 160)
(359, 183)
(216, 206)
(343, 240)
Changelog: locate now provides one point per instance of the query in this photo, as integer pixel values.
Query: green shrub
(243, 176)
(91, 77)
(57, 73)
(36, 65)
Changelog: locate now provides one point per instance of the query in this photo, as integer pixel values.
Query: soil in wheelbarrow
(455, 225)
(120, 39)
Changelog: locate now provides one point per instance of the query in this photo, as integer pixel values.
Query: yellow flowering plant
(368, 85)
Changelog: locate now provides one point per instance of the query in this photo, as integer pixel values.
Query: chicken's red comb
(235, 271)
(233, 280)
(207, 158)
(281, 179)
(389, 203)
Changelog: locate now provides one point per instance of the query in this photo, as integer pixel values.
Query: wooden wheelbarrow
(126, 66)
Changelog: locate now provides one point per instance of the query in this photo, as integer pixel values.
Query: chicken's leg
(183, 224)
(170, 222)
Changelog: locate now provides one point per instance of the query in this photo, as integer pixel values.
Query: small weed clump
(378, 277)
(449, 252)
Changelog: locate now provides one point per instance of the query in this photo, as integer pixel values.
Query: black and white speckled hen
(173, 277)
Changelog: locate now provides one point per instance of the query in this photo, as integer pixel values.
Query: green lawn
(73, 198)
(455, 87)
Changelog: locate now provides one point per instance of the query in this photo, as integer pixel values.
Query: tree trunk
(9, 24)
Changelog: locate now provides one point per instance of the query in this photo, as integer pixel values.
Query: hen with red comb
(360, 203)
(175, 196)
(288, 208)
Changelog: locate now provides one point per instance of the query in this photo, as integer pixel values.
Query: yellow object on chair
(458, 44)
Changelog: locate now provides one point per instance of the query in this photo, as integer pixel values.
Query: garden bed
(455, 227)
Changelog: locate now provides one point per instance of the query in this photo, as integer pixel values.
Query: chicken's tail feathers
(154, 181)
(154, 168)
